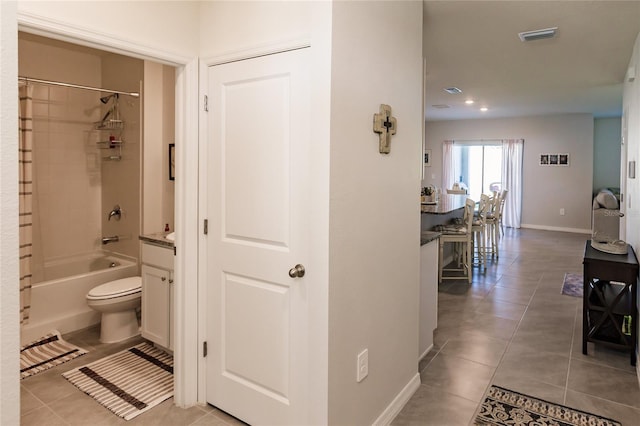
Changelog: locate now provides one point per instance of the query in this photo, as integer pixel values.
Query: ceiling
(474, 45)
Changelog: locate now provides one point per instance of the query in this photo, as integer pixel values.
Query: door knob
(297, 271)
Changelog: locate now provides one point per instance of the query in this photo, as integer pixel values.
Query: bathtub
(59, 301)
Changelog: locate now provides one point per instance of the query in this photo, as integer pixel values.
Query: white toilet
(117, 301)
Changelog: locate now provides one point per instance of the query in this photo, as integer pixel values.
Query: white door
(257, 204)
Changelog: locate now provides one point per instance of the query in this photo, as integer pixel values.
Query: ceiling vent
(441, 106)
(538, 34)
(453, 90)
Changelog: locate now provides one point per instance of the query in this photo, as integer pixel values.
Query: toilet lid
(117, 288)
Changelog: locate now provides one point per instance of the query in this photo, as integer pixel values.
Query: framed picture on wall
(554, 159)
(427, 157)
(172, 161)
(563, 159)
(544, 159)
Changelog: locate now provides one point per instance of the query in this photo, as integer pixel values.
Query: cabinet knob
(163, 279)
(170, 280)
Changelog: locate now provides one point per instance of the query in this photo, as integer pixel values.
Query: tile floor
(512, 327)
(48, 399)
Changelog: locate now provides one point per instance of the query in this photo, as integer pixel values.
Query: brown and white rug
(129, 382)
(45, 353)
(503, 407)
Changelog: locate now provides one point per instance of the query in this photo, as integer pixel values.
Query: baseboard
(425, 353)
(557, 228)
(637, 367)
(398, 402)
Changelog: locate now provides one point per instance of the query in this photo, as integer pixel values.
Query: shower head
(105, 99)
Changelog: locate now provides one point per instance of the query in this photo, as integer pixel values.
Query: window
(478, 166)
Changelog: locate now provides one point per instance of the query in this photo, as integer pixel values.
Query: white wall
(606, 152)
(631, 107)
(375, 218)
(9, 324)
(159, 130)
(232, 27)
(167, 26)
(545, 189)
(631, 110)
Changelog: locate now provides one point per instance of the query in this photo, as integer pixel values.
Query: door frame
(186, 194)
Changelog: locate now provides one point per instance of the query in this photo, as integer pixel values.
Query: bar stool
(503, 198)
(479, 229)
(492, 224)
(461, 236)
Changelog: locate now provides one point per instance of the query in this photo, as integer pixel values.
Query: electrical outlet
(562, 212)
(433, 175)
(363, 365)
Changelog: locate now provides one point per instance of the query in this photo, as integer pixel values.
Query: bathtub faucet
(115, 212)
(107, 240)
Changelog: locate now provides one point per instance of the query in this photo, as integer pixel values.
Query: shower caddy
(111, 123)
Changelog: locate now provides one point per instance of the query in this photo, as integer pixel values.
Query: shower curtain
(25, 185)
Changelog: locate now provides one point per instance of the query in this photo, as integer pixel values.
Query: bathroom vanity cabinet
(157, 294)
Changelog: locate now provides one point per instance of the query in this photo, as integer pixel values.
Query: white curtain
(512, 181)
(25, 185)
(448, 166)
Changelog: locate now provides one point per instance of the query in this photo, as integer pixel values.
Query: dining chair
(456, 191)
(461, 236)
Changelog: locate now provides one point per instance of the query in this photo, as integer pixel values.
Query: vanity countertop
(157, 238)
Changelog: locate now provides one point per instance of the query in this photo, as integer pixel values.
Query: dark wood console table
(610, 295)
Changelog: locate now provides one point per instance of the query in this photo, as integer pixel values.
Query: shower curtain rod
(77, 86)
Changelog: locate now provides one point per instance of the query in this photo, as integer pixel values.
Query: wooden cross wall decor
(385, 125)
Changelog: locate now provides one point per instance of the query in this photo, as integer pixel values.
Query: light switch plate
(363, 365)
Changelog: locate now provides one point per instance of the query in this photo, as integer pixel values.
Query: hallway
(513, 328)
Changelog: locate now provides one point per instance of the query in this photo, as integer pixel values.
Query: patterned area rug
(505, 407)
(46, 352)
(129, 382)
(572, 285)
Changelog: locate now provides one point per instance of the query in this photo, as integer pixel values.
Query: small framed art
(172, 161)
(427, 157)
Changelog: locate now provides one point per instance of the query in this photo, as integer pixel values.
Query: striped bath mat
(47, 352)
(128, 382)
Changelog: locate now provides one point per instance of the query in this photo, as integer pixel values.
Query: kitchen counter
(446, 204)
(157, 238)
(448, 208)
(428, 236)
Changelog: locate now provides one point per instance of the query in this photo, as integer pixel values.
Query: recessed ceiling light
(484, 109)
(453, 90)
(538, 34)
(441, 106)
(469, 102)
